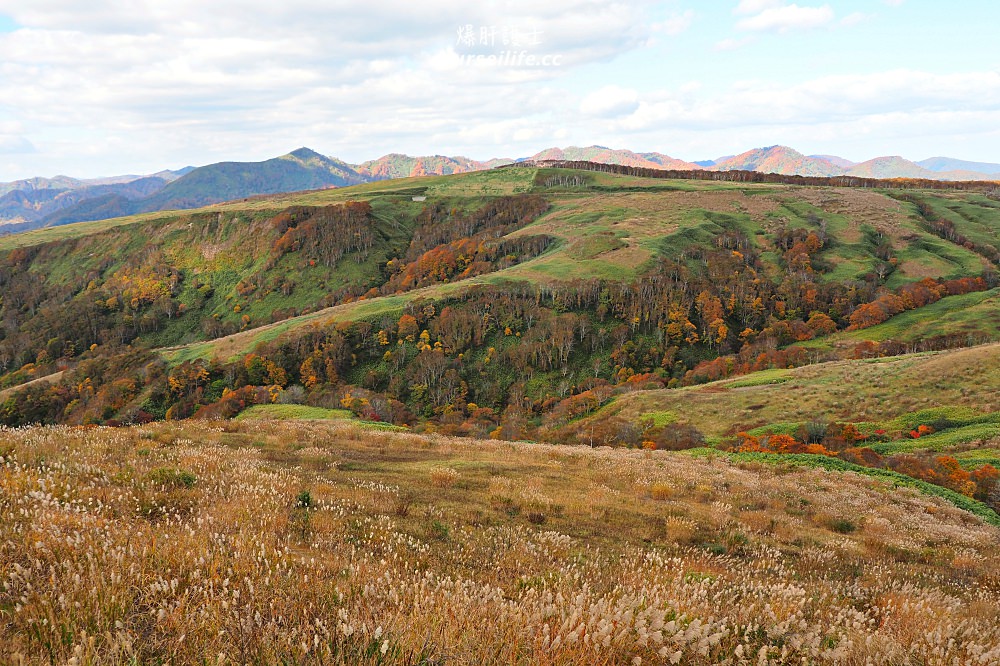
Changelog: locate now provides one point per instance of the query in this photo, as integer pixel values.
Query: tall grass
(192, 543)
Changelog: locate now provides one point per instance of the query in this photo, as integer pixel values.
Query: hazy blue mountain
(32, 209)
(302, 169)
(951, 164)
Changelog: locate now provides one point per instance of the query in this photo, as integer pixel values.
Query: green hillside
(615, 227)
(492, 300)
(874, 391)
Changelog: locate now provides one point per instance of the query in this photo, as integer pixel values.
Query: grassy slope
(217, 249)
(898, 480)
(475, 184)
(976, 315)
(279, 412)
(295, 412)
(167, 540)
(39, 236)
(856, 391)
(615, 226)
(610, 228)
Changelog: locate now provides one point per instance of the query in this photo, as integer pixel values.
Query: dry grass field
(307, 542)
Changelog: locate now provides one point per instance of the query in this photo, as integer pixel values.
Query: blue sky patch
(7, 24)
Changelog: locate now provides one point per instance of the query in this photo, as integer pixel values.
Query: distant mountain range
(784, 160)
(41, 202)
(302, 169)
(396, 165)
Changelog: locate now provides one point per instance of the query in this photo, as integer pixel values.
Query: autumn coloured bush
(779, 443)
(945, 471)
(444, 477)
(845, 441)
(920, 431)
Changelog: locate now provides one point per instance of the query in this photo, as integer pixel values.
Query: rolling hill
(890, 167)
(62, 183)
(404, 166)
(923, 387)
(39, 183)
(211, 285)
(835, 161)
(40, 202)
(302, 169)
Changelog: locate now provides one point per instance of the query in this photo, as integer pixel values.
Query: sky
(110, 87)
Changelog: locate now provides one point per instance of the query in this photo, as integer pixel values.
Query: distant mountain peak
(777, 159)
(398, 165)
(841, 162)
(890, 166)
(305, 154)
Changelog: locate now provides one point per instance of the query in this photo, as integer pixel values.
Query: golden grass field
(308, 542)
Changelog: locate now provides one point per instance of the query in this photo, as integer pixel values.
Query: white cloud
(788, 17)
(675, 24)
(609, 102)
(12, 144)
(115, 84)
(12, 139)
(755, 6)
(853, 19)
(732, 44)
(909, 112)
(934, 103)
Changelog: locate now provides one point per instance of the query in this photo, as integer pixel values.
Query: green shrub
(168, 476)
(843, 525)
